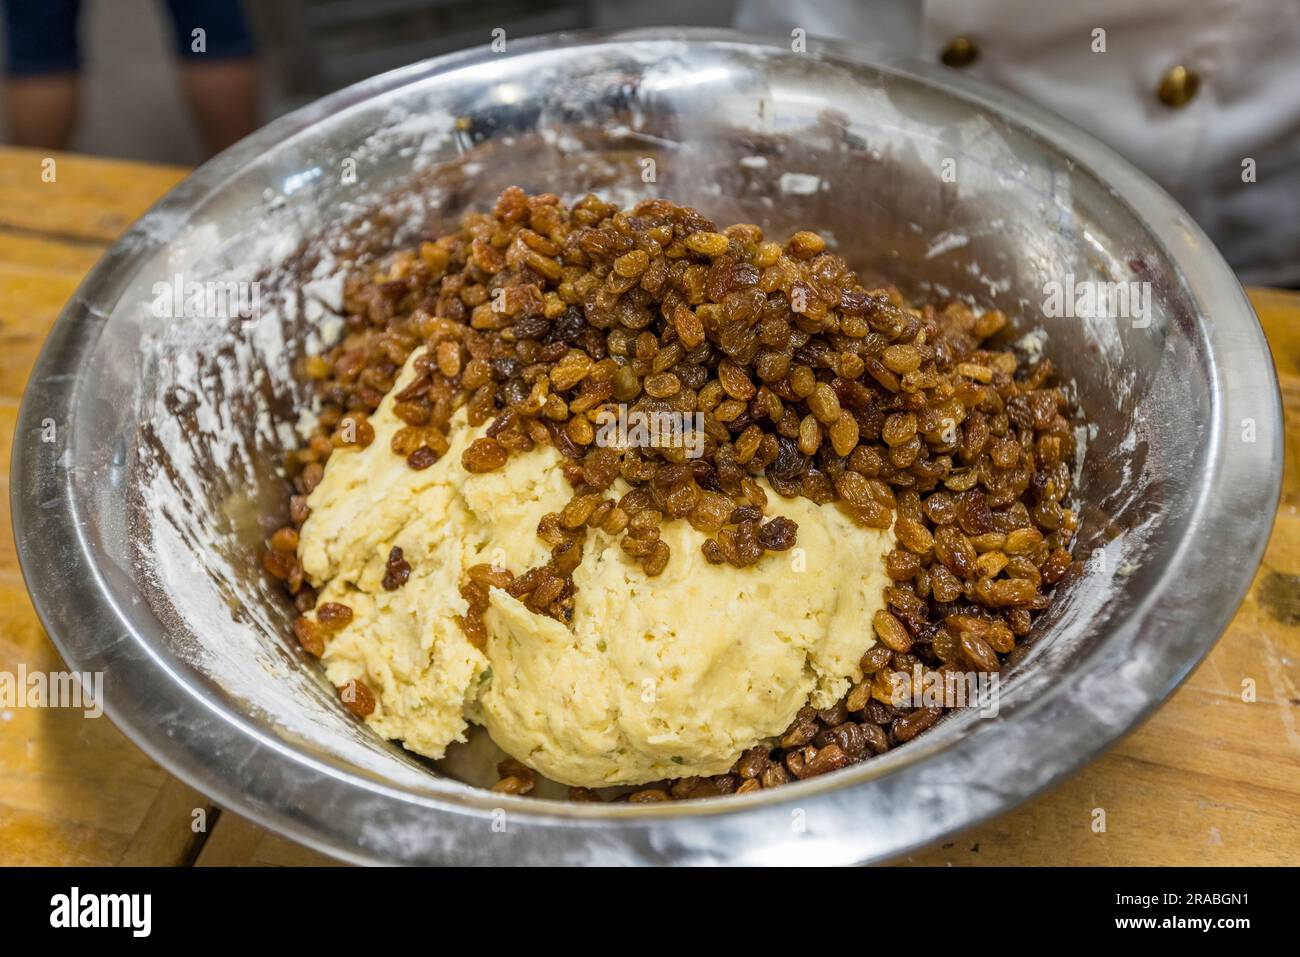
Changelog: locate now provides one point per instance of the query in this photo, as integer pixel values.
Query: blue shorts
(41, 35)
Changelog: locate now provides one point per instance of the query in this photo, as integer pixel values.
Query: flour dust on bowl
(140, 528)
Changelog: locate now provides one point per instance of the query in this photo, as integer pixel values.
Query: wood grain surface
(1210, 779)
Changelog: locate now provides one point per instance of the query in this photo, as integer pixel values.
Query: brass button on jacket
(1178, 86)
(962, 51)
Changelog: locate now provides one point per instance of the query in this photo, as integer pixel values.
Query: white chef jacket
(1246, 107)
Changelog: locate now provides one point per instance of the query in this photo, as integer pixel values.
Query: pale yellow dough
(657, 677)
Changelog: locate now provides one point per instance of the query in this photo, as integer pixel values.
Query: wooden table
(1210, 779)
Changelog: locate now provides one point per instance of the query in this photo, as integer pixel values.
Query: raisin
(396, 571)
(778, 535)
(358, 698)
(483, 455)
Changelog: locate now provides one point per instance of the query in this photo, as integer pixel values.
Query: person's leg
(218, 68)
(41, 63)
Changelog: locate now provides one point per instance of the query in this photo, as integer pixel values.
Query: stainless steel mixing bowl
(139, 524)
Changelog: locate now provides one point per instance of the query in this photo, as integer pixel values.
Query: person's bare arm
(41, 110)
(223, 95)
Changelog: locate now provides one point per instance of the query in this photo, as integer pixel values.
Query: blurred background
(134, 105)
(1204, 96)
